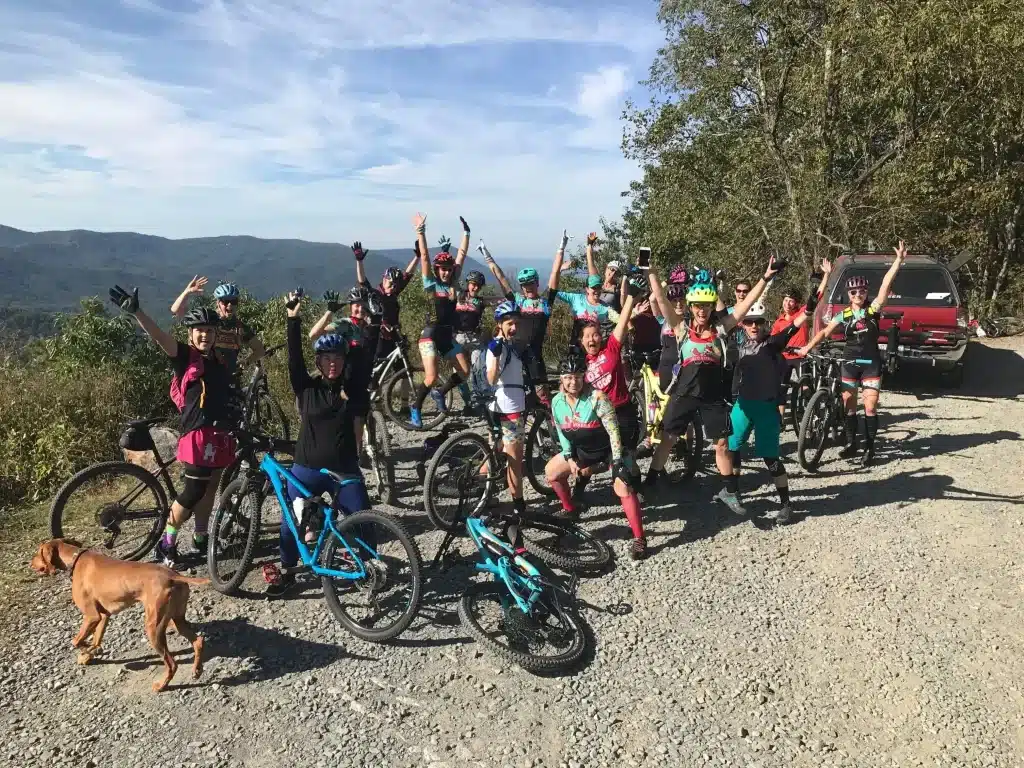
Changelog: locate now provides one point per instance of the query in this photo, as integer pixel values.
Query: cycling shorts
(760, 417)
(788, 368)
(682, 410)
(438, 341)
(866, 376)
(385, 347)
(513, 427)
(629, 425)
(469, 343)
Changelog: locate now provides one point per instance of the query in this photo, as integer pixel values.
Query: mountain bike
(377, 447)
(651, 404)
(518, 614)
(468, 472)
(825, 414)
(367, 563)
(810, 376)
(261, 411)
(117, 507)
(391, 386)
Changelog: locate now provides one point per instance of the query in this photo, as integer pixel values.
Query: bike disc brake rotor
(108, 516)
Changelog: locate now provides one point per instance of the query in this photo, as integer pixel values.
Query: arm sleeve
(563, 441)
(781, 339)
(357, 388)
(613, 314)
(180, 360)
(297, 373)
(552, 295)
(606, 412)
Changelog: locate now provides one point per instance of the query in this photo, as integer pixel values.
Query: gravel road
(882, 629)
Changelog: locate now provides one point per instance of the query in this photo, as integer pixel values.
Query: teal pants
(760, 417)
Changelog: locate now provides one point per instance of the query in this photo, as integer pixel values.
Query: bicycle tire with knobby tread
(383, 464)
(112, 468)
(802, 445)
(415, 566)
(601, 552)
(387, 388)
(439, 522)
(230, 586)
(538, 483)
(527, 661)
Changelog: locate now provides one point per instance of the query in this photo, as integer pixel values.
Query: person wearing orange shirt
(792, 306)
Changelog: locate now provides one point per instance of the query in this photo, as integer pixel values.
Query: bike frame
(501, 569)
(653, 394)
(277, 475)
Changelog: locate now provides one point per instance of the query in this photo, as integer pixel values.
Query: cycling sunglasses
(228, 301)
(858, 291)
(755, 321)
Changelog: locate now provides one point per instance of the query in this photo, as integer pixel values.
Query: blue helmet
(330, 342)
(528, 275)
(504, 310)
(226, 291)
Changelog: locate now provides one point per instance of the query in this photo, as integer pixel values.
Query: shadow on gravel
(912, 447)
(902, 489)
(989, 372)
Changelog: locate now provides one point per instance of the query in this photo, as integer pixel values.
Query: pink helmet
(857, 281)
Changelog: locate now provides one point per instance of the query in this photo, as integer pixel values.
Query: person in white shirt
(505, 373)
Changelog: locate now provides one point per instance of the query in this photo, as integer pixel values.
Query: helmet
(857, 281)
(330, 342)
(528, 275)
(676, 291)
(614, 265)
(506, 309)
(226, 291)
(393, 273)
(701, 293)
(702, 276)
(444, 259)
(678, 274)
(200, 316)
(358, 295)
(756, 312)
(476, 277)
(594, 281)
(572, 363)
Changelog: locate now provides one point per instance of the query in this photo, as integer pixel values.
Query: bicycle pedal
(271, 574)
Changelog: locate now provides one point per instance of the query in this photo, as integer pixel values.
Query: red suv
(923, 301)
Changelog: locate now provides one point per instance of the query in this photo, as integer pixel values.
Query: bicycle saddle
(145, 422)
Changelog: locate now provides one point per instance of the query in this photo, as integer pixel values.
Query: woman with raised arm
(859, 322)
(699, 387)
(438, 339)
(328, 430)
(613, 292)
(202, 390)
(585, 307)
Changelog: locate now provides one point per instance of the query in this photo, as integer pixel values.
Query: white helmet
(756, 312)
(614, 265)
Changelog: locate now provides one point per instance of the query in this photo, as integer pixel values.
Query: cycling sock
(631, 506)
(464, 391)
(420, 396)
(561, 489)
(737, 462)
(851, 429)
(870, 430)
(451, 384)
(732, 484)
(170, 537)
(519, 505)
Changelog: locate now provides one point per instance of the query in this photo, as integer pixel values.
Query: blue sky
(320, 119)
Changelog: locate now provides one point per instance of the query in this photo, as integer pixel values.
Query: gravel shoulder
(882, 629)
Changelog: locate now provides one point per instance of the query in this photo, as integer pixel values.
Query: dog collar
(74, 561)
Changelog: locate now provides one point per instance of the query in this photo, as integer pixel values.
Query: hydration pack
(193, 372)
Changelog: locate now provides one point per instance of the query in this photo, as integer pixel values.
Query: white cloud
(246, 117)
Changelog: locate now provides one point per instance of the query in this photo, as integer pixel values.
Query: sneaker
(167, 555)
(414, 418)
(197, 552)
(577, 490)
(732, 501)
(785, 515)
(566, 514)
(868, 458)
(638, 549)
(280, 587)
(851, 450)
(654, 479)
(439, 400)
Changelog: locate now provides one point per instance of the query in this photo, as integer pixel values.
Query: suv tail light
(826, 316)
(961, 317)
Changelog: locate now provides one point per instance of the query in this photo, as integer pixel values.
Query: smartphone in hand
(644, 259)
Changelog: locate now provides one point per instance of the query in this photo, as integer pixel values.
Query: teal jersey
(588, 424)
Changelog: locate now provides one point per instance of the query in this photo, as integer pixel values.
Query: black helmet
(200, 316)
(572, 363)
(358, 295)
(476, 277)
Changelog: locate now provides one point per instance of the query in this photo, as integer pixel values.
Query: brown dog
(102, 586)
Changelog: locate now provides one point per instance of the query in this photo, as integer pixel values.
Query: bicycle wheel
(382, 466)
(459, 480)
(562, 544)
(115, 507)
(541, 445)
(268, 417)
(489, 613)
(814, 430)
(384, 600)
(234, 532)
(396, 402)
(799, 394)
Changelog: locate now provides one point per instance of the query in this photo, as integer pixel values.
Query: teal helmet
(528, 275)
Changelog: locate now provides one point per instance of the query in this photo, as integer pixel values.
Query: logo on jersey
(596, 376)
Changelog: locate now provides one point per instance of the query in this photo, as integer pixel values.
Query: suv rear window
(914, 286)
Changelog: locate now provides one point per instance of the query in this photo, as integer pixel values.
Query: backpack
(193, 372)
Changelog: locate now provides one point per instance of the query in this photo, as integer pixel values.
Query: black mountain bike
(262, 412)
(825, 415)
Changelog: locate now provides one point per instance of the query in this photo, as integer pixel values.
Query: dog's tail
(191, 580)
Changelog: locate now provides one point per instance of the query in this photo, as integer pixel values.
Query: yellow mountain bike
(645, 389)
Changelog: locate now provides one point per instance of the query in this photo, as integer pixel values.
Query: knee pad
(775, 467)
(197, 480)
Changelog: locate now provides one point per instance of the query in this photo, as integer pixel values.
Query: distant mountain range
(53, 270)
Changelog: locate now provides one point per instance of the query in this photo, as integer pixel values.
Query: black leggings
(197, 480)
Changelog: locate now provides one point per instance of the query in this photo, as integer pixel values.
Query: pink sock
(631, 506)
(561, 489)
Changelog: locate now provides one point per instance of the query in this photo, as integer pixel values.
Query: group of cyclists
(726, 365)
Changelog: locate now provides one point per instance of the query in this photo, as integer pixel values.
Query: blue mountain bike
(519, 615)
(369, 566)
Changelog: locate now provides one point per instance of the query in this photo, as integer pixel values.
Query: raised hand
(901, 252)
(485, 253)
(333, 299)
(126, 302)
(416, 248)
(565, 240)
(294, 302)
(445, 243)
(775, 266)
(358, 252)
(196, 285)
(826, 266)
(592, 238)
(635, 286)
(465, 226)
(419, 221)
